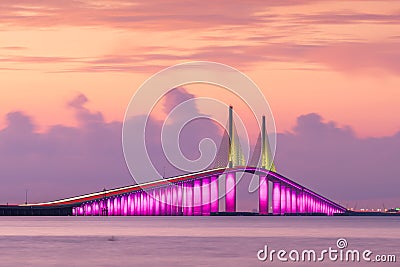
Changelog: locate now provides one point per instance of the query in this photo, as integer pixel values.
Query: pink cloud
(36, 59)
(172, 14)
(358, 57)
(242, 23)
(14, 48)
(351, 57)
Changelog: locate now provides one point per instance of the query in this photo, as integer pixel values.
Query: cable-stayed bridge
(200, 193)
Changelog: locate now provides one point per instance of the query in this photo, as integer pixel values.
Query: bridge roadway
(198, 194)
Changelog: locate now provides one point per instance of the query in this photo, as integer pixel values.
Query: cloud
(136, 14)
(173, 15)
(241, 35)
(78, 102)
(18, 122)
(37, 59)
(337, 164)
(85, 116)
(356, 57)
(68, 161)
(348, 57)
(162, 121)
(348, 17)
(14, 48)
(63, 161)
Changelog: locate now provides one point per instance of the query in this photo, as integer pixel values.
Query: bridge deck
(272, 176)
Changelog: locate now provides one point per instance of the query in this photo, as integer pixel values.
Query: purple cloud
(62, 162)
(189, 137)
(67, 161)
(336, 163)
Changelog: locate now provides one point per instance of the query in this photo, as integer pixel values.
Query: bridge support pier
(92, 208)
(306, 202)
(150, 195)
(276, 198)
(206, 197)
(128, 205)
(288, 199)
(214, 194)
(132, 206)
(169, 200)
(180, 198)
(185, 198)
(174, 200)
(89, 209)
(124, 204)
(108, 206)
(283, 199)
(149, 203)
(188, 206)
(112, 203)
(312, 202)
(157, 202)
(197, 197)
(163, 199)
(294, 200)
(115, 206)
(316, 208)
(119, 209)
(299, 201)
(145, 204)
(263, 195)
(230, 193)
(140, 202)
(121, 205)
(137, 206)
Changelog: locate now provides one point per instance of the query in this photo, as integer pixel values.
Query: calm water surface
(186, 241)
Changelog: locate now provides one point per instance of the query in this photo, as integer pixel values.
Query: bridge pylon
(236, 155)
(267, 159)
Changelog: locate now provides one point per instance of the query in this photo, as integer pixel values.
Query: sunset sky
(337, 59)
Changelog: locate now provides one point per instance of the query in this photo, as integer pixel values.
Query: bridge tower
(230, 181)
(266, 156)
(235, 153)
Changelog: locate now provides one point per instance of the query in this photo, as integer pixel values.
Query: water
(186, 241)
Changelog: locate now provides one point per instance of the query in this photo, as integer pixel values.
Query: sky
(329, 70)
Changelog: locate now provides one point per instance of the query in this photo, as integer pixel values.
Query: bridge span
(198, 194)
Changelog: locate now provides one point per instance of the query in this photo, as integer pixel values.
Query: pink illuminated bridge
(200, 194)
